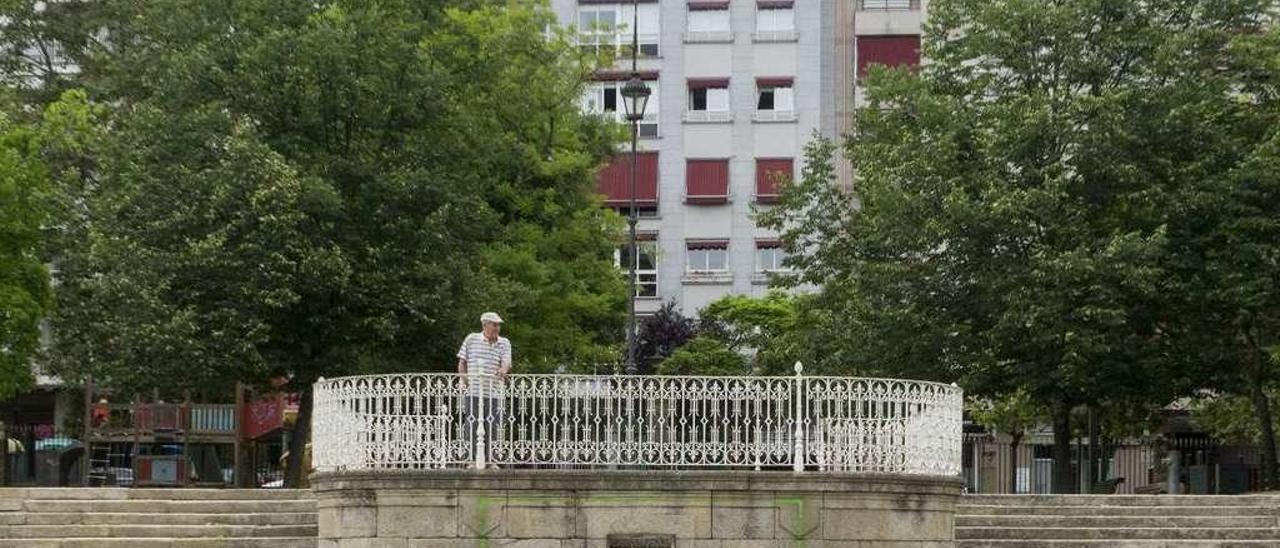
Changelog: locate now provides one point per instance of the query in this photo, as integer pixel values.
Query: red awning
(622, 75)
(768, 243)
(696, 83)
(891, 51)
(614, 180)
(707, 244)
(767, 172)
(774, 81)
(702, 5)
(707, 181)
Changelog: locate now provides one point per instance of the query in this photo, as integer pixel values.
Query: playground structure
(153, 442)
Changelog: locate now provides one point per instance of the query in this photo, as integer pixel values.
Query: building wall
(822, 62)
(740, 140)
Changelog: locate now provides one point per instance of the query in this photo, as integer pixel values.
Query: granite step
(1111, 543)
(1153, 510)
(155, 531)
(1059, 501)
(126, 493)
(1119, 533)
(168, 506)
(230, 542)
(136, 518)
(1255, 521)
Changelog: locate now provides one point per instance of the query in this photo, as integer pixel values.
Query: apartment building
(739, 87)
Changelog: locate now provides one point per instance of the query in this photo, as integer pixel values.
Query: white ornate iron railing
(437, 420)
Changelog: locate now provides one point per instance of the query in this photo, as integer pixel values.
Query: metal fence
(872, 5)
(423, 421)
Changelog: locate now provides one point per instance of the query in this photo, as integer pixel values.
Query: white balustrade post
(480, 431)
(797, 463)
(441, 444)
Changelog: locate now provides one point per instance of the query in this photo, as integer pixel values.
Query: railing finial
(799, 367)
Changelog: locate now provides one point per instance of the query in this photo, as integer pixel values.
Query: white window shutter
(783, 99)
(718, 99)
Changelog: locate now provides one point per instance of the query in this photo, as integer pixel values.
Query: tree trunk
(295, 466)
(1262, 409)
(1096, 473)
(1013, 462)
(1063, 479)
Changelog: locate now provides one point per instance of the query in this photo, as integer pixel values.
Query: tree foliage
(1020, 197)
(660, 334)
(25, 294)
(313, 189)
(704, 355)
(360, 178)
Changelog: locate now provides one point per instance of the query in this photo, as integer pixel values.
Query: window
(770, 256)
(768, 173)
(716, 99)
(776, 21)
(708, 20)
(707, 181)
(614, 180)
(775, 96)
(890, 51)
(604, 98)
(609, 26)
(708, 256)
(708, 100)
(708, 23)
(646, 268)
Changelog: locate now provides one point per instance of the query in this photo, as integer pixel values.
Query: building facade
(739, 88)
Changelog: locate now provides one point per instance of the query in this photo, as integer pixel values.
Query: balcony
(432, 421)
(619, 44)
(708, 37)
(775, 36)
(773, 116)
(708, 116)
(887, 5)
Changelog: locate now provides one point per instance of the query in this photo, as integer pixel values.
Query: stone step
(156, 531)
(234, 542)
(969, 520)
(997, 509)
(1119, 533)
(1114, 543)
(124, 493)
(1122, 500)
(170, 506)
(134, 518)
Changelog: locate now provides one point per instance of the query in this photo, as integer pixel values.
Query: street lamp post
(635, 96)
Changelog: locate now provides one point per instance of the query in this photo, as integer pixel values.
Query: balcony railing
(773, 116)
(425, 421)
(708, 116)
(873, 5)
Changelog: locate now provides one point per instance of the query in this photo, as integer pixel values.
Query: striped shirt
(484, 359)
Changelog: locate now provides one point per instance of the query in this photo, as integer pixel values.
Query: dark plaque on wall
(641, 540)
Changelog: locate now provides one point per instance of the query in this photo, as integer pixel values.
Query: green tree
(1231, 417)
(25, 295)
(1015, 196)
(46, 45)
(704, 355)
(334, 187)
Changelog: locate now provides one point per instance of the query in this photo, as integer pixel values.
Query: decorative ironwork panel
(419, 421)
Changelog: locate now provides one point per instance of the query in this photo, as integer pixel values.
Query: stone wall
(583, 508)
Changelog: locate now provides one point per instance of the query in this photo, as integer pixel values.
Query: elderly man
(484, 362)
